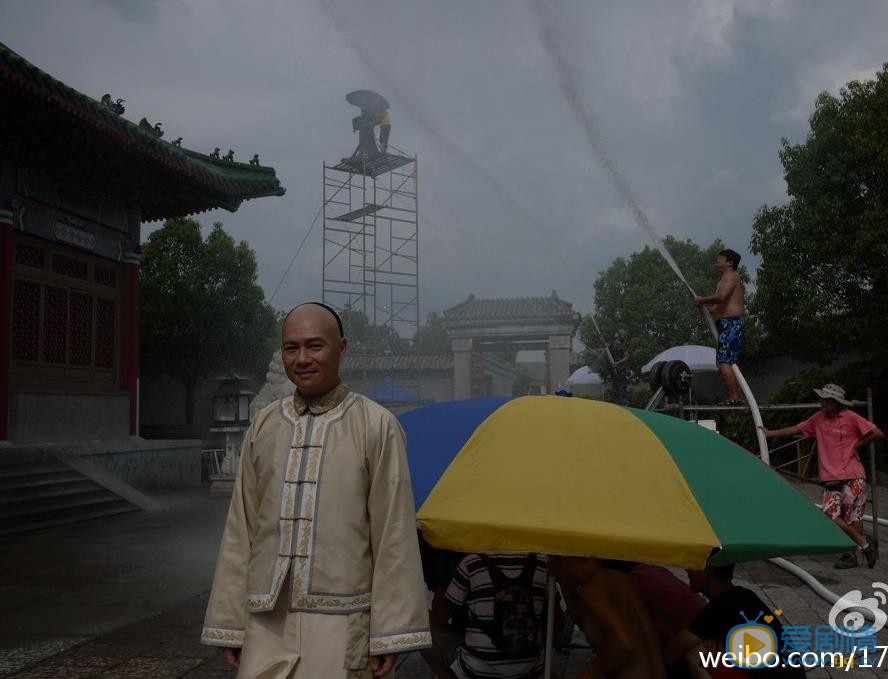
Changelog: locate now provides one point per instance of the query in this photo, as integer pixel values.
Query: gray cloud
(691, 99)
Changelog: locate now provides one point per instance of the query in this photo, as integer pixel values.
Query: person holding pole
(726, 305)
(840, 434)
(619, 355)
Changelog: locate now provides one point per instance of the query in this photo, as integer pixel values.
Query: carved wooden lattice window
(105, 276)
(106, 322)
(25, 320)
(80, 329)
(69, 266)
(65, 313)
(55, 324)
(28, 255)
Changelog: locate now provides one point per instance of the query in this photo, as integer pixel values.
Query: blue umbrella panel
(431, 447)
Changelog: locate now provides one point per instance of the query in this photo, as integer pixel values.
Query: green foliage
(822, 287)
(643, 295)
(366, 338)
(432, 338)
(202, 311)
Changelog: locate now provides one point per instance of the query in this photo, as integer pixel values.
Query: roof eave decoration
(226, 177)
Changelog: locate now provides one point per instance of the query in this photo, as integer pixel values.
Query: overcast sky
(691, 98)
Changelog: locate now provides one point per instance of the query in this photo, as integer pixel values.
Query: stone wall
(149, 464)
(41, 418)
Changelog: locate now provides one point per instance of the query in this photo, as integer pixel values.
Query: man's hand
(697, 300)
(382, 664)
(767, 432)
(232, 657)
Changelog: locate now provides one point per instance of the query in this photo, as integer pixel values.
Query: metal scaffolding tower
(371, 245)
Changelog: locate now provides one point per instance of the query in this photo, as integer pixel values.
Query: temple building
(77, 180)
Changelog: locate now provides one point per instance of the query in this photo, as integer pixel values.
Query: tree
(201, 310)
(432, 338)
(643, 296)
(366, 338)
(822, 286)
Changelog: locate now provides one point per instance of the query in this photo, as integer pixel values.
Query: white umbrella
(583, 376)
(696, 357)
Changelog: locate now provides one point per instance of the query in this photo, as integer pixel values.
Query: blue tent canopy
(386, 391)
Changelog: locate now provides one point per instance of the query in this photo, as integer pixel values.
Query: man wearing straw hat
(840, 434)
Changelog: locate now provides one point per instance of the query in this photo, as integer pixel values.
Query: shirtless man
(610, 612)
(726, 306)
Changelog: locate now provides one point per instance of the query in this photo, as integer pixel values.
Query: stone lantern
(231, 417)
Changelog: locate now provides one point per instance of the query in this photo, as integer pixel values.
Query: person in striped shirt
(502, 600)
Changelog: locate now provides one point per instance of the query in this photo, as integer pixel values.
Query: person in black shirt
(620, 355)
(729, 606)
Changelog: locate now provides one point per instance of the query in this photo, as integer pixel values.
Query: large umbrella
(584, 375)
(436, 433)
(573, 476)
(696, 357)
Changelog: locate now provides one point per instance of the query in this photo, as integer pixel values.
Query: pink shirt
(836, 438)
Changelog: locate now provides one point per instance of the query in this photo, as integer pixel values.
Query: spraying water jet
(567, 82)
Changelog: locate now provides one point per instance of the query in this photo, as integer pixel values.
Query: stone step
(36, 522)
(30, 468)
(50, 492)
(49, 497)
(9, 471)
(37, 479)
(65, 504)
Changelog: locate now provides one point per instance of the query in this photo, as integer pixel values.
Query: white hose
(827, 594)
(866, 517)
(756, 415)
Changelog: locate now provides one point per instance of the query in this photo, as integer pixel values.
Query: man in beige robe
(318, 574)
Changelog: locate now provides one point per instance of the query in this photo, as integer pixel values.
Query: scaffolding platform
(372, 166)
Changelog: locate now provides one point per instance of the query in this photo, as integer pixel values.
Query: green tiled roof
(354, 363)
(511, 309)
(210, 182)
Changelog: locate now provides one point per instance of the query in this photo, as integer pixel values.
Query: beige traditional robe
(323, 496)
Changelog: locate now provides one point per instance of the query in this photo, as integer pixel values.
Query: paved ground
(124, 597)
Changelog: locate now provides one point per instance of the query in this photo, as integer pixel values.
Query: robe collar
(320, 404)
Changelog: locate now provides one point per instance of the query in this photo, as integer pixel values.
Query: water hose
(866, 517)
(825, 593)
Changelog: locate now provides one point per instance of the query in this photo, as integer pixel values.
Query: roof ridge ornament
(116, 107)
(229, 157)
(155, 129)
(254, 161)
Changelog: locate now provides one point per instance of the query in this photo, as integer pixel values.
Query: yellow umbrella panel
(570, 476)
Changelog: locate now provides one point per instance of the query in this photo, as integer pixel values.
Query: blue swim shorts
(731, 330)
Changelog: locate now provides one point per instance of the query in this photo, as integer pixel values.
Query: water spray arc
(567, 85)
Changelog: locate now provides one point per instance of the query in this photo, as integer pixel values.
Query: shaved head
(312, 347)
(319, 305)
